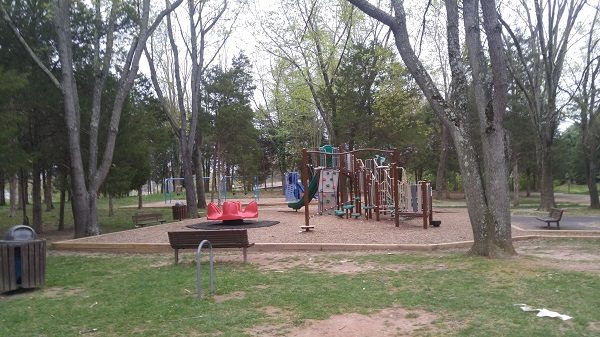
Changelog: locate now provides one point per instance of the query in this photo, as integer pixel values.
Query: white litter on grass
(544, 312)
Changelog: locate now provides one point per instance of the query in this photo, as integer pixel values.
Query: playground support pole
(424, 204)
(396, 158)
(395, 189)
(304, 178)
(377, 200)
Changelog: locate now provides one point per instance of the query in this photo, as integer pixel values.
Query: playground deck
(330, 233)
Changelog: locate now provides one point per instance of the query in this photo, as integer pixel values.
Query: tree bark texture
(483, 167)
(515, 174)
(13, 194)
(36, 198)
(549, 27)
(441, 185)
(48, 190)
(23, 195)
(111, 206)
(588, 102)
(544, 157)
(200, 175)
(2, 188)
(85, 187)
(62, 202)
(140, 199)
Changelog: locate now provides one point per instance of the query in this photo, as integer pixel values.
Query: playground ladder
(199, 274)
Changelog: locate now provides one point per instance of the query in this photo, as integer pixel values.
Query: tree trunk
(48, 190)
(215, 176)
(36, 195)
(484, 172)
(200, 174)
(546, 181)
(23, 188)
(488, 214)
(527, 182)
(515, 175)
(188, 180)
(12, 186)
(590, 160)
(441, 186)
(139, 194)
(23, 195)
(61, 210)
(2, 188)
(111, 206)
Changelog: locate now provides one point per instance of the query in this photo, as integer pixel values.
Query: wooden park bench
(142, 219)
(554, 216)
(226, 238)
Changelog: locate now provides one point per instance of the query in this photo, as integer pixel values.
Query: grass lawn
(573, 189)
(137, 295)
(120, 221)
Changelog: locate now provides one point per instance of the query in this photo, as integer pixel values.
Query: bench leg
(176, 256)
(245, 255)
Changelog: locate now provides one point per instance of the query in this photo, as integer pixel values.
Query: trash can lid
(20, 233)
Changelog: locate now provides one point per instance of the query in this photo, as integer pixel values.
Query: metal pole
(199, 274)
(304, 178)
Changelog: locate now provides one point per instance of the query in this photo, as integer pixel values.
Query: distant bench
(226, 238)
(554, 216)
(142, 219)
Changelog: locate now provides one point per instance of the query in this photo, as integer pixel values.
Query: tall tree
(286, 114)
(203, 17)
(227, 99)
(586, 98)
(313, 36)
(480, 144)
(85, 185)
(549, 26)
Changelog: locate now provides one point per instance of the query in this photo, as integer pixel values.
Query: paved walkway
(578, 223)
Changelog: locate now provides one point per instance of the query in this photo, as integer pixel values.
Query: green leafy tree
(478, 133)
(286, 118)
(235, 137)
(111, 24)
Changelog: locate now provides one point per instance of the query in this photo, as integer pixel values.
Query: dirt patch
(55, 292)
(327, 262)
(388, 322)
(231, 296)
(594, 326)
(563, 257)
(565, 253)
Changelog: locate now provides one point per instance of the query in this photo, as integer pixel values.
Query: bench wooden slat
(142, 219)
(228, 238)
(555, 215)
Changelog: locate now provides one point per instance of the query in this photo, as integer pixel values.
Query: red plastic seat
(251, 210)
(232, 210)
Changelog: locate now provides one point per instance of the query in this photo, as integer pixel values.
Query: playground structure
(348, 186)
(226, 183)
(169, 187)
(232, 211)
